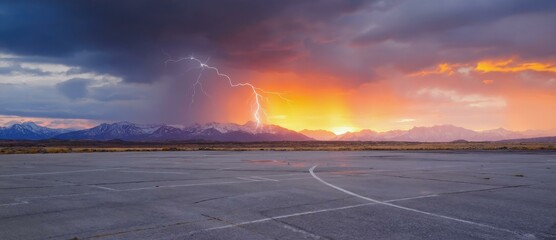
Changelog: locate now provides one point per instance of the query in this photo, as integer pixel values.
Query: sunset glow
(278, 119)
(359, 66)
(342, 130)
(510, 65)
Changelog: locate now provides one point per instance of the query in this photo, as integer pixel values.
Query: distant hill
(321, 135)
(440, 133)
(531, 140)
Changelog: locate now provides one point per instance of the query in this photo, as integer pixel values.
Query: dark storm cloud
(489, 28)
(80, 88)
(329, 43)
(414, 19)
(125, 38)
(74, 88)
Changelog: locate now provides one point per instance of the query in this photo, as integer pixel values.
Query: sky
(333, 65)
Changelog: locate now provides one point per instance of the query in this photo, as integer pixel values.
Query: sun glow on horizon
(343, 129)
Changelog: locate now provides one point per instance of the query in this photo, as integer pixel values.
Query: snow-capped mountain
(250, 132)
(249, 127)
(29, 131)
(206, 132)
(440, 133)
(119, 130)
(242, 133)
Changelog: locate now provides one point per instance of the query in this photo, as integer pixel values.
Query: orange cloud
(509, 65)
(467, 98)
(488, 81)
(443, 68)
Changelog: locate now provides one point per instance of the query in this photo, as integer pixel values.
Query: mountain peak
(30, 124)
(26, 124)
(29, 131)
(250, 131)
(436, 133)
(124, 123)
(211, 131)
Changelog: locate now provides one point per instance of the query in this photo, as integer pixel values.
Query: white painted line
(51, 173)
(301, 214)
(263, 178)
(288, 174)
(113, 190)
(128, 190)
(311, 170)
(101, 187)
(245, 180)
(187, 185)
(412, 198)
(154, 172)
(61, 195)
(278, 217)
(13, 204)
(228, 168)
(301, 231)
(249, 179)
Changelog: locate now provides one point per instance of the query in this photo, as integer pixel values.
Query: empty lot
(279, 195)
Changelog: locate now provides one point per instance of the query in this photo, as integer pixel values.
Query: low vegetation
(56, 146)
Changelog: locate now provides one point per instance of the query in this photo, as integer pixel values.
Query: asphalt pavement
(279, 195)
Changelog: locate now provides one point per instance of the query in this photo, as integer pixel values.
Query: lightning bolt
(257, 92)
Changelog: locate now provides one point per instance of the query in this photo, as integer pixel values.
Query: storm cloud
(108, 57)
(127, 38)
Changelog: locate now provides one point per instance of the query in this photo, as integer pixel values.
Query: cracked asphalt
(279, 195)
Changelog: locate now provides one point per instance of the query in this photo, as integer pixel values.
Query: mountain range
(29, 131)
(249, 132)
(438, 133)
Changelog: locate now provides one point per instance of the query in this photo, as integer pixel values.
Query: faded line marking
(248, 179)
(301, 231)
(245, 180)
(188, 185)
(154, 172)
(115, 190)
(101, 187)
(301, 214)
(51, 173)
(60, 195)
(228, 168)
(13, 204)
(311, 170)
(278, 217)
(263, 178)
(124, 190)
